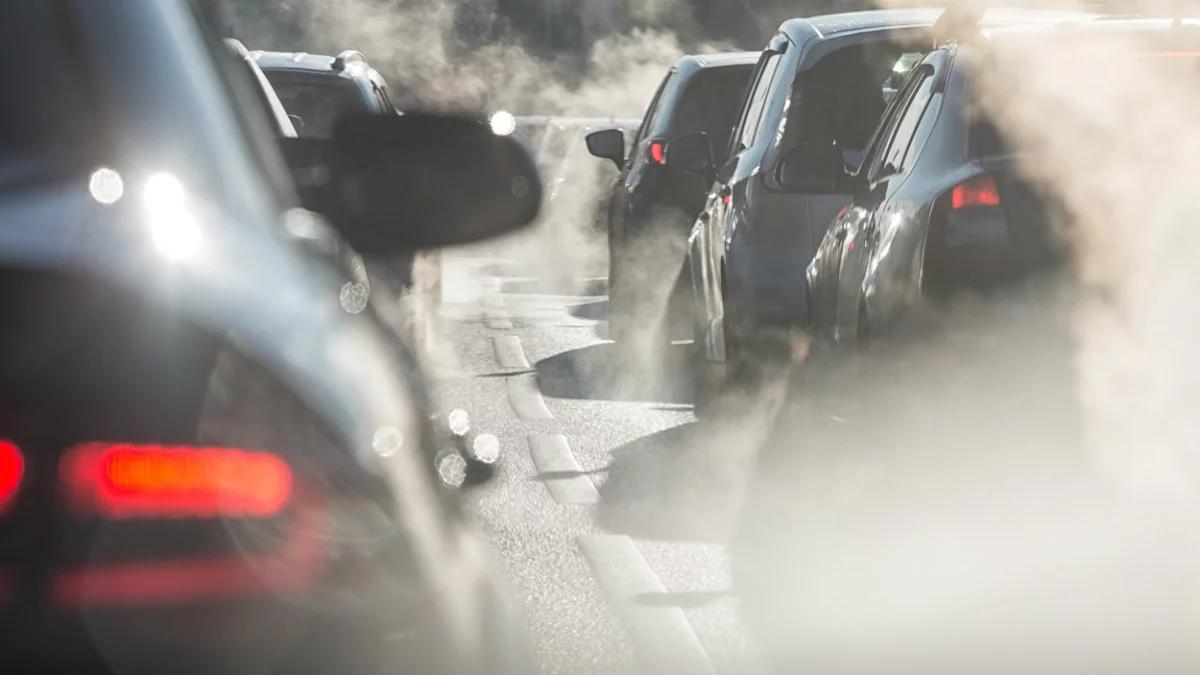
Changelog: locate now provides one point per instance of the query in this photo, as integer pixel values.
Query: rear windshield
(47, 124)
(711, 102)
(317, 100)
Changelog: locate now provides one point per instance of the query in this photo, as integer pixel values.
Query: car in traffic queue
(826, 78)
(652, 205)
(316, 90)
(212, 458)
(939, 428)
(940, 206)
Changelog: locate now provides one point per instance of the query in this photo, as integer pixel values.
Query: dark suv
(653, 205)
(318, 89)
(827, 77)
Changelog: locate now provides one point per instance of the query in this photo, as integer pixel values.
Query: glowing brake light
(658, 152)
(118, 480)
(979, 191)
(12, 470)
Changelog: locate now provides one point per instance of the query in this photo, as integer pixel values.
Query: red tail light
(979, 191)
(153, 481)
(12, 470)
(658, 152)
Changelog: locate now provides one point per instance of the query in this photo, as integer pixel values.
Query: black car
(939, 207)
(214, 457)
(653, 205)
(318, 89)
(823, 77)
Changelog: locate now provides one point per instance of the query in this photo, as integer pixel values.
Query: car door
(881, 213)
(710, 242)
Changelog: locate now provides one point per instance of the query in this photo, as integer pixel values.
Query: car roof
(830, 25)
(348, 64)
(723, 59)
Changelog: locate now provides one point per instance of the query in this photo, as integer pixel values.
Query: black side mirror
(404, 182)
(814, 167)
(690, 152)
(607, 144)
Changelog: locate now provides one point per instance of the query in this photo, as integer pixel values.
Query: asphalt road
(612, 505)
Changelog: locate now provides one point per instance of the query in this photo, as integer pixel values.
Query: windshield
(317, 100)
(41, 131)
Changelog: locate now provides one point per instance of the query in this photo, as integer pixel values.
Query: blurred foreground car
(214, 457)
(950, 500)
(652, 206)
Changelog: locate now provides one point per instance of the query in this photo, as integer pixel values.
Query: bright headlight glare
(503, 123)
(173, 228)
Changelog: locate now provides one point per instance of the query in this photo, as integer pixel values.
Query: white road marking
(509, 352)
(661, 636)
(526, 399)
(552, 455)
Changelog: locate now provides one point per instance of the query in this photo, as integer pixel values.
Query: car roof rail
(346, 57)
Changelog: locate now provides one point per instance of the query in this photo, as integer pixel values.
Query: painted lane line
(526, 399)
(661, 636)
(559, 470)
(509, 352)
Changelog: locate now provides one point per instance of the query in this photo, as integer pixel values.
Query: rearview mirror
(607, 144)
(690, 152)
(815, 167)
(413, 181)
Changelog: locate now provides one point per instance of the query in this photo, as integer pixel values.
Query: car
(944, 461)
(651, 205)
(938, 208)
(215, 457)
(826, 77)
(316, 90)
(826, 80)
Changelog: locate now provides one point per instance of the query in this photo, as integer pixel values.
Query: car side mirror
(607, 144)
(297, 123)
(404, 182)
(690, 152)
(814, 167)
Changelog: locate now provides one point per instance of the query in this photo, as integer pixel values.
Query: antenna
(959, 20)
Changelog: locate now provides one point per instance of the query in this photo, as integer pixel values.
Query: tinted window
(843, 97)
(653, 112)
(757, 102)
(711, 102)
(48, 123)
(878, 145)
(317, 101)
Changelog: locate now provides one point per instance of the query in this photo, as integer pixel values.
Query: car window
(909, 120)
(42, 131)
(653, 112)
(710, 103)
(878, 145)
(317, 100)
(844, 95)
(757, 102)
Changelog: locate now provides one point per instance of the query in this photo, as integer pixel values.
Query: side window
(909, 122)
(914, 96)
(756, 103)
(652, 112)
(878, 145)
